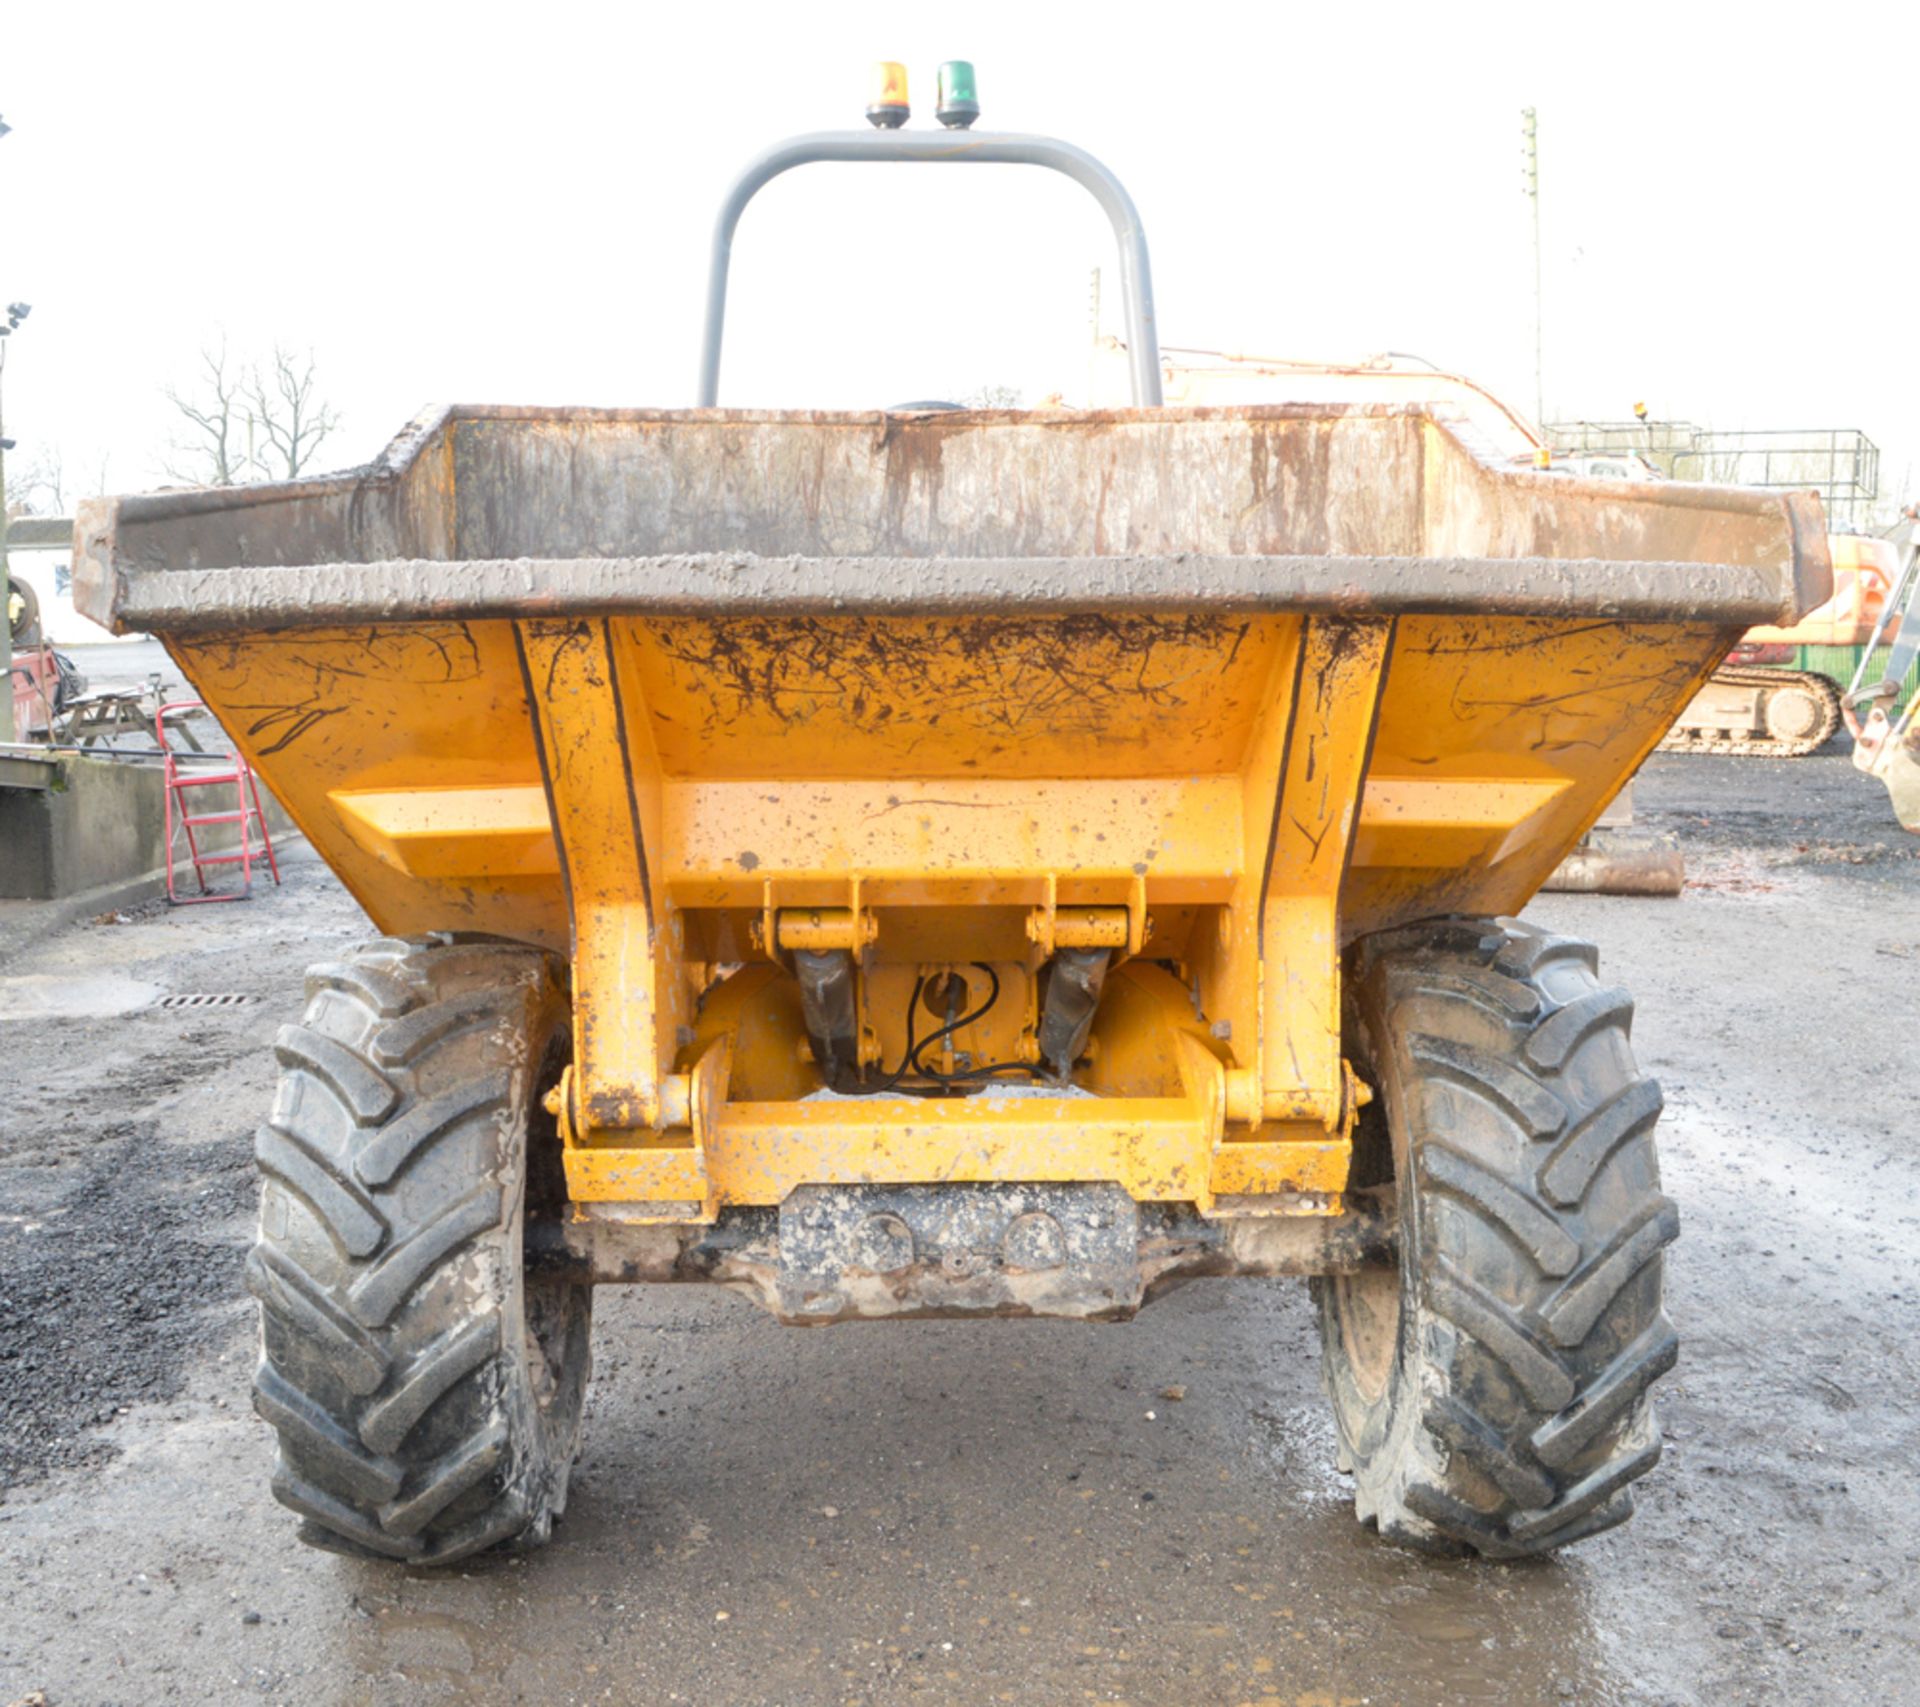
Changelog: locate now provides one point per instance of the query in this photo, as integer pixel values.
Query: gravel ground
(126, 1169)
(1017, 1512)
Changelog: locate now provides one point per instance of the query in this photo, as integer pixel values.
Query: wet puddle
(1430, 1629)
(46, 995)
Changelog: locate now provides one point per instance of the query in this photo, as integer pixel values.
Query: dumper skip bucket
(684, 695)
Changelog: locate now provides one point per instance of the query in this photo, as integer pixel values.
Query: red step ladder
(231, 770)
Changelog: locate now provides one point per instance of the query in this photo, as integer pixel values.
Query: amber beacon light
(887, 106)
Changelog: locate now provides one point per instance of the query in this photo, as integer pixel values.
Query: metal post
(1530, 185)
(958, 147)
(7, 730)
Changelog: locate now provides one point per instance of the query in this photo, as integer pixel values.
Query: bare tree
(95, 481)
(249, 421)
(40, 487)
(47, 484)
(216, 451)
(293, 421)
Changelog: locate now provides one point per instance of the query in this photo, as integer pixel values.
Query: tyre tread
(367, 1093)
(385, 1384)
(350, 1216)
(1538, 1213)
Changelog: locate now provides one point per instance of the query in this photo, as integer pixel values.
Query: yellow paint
(1447, 820)
(1157, 1148)
(629, 990)
(453, 832)
(677, 805)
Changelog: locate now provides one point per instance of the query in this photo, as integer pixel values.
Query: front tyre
(426, 1389)
(1492, 1394)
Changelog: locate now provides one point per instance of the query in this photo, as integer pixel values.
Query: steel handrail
(946, 147)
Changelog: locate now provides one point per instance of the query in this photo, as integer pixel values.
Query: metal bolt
(883, 1244)
(1034, 1241)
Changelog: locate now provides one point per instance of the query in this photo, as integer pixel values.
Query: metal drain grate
(205, 999)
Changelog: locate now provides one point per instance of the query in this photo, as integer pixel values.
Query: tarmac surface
(1028, 1512)
(125, 664)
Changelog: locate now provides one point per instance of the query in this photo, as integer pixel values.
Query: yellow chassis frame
(669, 1144)
(1261, 790)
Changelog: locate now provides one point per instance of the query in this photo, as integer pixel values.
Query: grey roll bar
(1136, 277)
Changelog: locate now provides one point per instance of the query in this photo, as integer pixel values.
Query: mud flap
(1073, 993)
(831, 1012)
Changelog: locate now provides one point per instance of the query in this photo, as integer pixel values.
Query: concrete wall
(102, 823)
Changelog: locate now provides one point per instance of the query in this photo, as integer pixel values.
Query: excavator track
(1801, 712)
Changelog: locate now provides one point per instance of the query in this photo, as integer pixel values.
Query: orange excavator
(1778, 694)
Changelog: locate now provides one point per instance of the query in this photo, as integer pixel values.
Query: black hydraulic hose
(961, 1077)
(942, 1084)
(953, 1025)
(906, 1060)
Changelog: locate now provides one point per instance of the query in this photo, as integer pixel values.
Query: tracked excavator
(1770, 699)
(1777, 695)
(1758, 702)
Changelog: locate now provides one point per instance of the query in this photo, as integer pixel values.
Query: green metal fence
(1839, 662)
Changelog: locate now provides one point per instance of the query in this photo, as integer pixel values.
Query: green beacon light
(957, 101)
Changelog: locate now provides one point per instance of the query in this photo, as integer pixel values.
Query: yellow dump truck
(953, 863)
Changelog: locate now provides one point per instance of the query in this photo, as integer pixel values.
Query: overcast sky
(483, 203)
